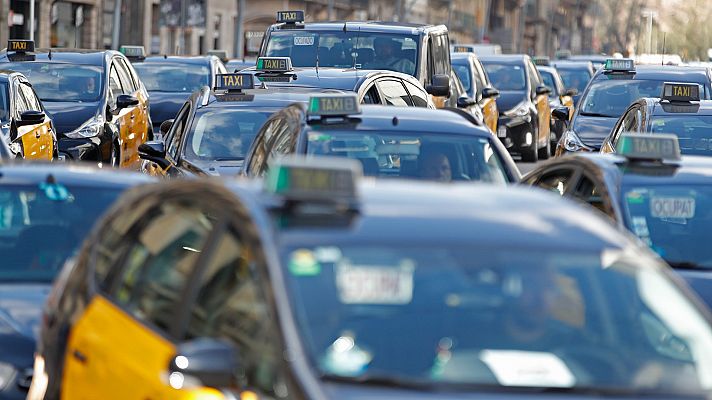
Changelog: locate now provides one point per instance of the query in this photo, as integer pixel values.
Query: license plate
(374, 285)
(502, 131)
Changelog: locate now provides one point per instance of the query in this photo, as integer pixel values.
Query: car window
(557, 181)
(175, 135)
(507, 76)
(283, 141)
(441, 54)
(393, 93)
(371, 96)
(481, 79)
(260, 150)
(216, 134)
(463, 72)
(159, 261)
(115, 88)
(590, 191)
(548, 80)
(20, 101)
(32, 102)
(127, 81)
(417, 95)
(533, 78)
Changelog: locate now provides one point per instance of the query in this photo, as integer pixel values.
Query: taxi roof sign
(683, 92)
(656, 146)
(619, 65)
(133, 51)
(326, 179)
(21, 46)
(462, 49)
(274, 64)
(290, 17)
(334, 105)
(234, 82)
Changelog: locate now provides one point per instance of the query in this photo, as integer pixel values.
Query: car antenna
(662, 59)
(354, 53)
(317, 58)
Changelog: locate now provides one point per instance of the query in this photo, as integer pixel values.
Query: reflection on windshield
(224, 135)
(694, 132)
(463, 72)
(575, 79)
(41, 226)
(173, 77)
(436, 157)
(527, 317)
(363, 50)
(506, 76)
(62, 82)
(671, 220)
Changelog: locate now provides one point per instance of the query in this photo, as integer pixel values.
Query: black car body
(61, 204)
(609, 94)
(98, 105)
(523, 104)
(170, 80)
(389, 142)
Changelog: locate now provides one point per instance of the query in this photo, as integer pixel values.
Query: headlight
(91, 128)
(7, 374)
(572, 143)
(520, 110)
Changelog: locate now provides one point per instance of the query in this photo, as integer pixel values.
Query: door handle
(79, 356)
(37, 135)
(133, 116)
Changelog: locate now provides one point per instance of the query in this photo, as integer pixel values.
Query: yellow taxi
(477, 84)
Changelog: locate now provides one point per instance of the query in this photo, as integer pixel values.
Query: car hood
(21, 306)
(700, 282)
(509, 99)
(592, 130)
(220, 168)
(165, 105)
(70, 115)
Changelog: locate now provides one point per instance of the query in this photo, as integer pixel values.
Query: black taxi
(24, 123)
(650, 190)
(314, 284)
(615, 87)
(389, 142)
(97, 103)
(422, 51)
(170, 80)
(372, 86)
(213, 131)
(678, 110)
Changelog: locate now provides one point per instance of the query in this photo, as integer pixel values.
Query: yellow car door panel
(37, 141)
(489, 109)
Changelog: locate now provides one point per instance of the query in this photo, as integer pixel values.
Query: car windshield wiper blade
(687, 265)
(230, 159)
(595, 114)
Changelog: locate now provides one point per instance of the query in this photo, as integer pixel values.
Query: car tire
(545, 151)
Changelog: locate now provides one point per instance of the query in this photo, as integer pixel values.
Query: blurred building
(553, 25)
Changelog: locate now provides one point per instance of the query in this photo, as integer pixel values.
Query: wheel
(115, 155)
(545, 151)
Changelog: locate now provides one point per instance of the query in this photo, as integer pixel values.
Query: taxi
(649, 189)
(612, 89)
(98, 105)
(170, 80)
(48, 210)
(559, 97)
(318, 284)
(213, 131)
(24, 123)
(389, 142)
(679, 111)
(372, 86)
(422, 51)
(477, 85)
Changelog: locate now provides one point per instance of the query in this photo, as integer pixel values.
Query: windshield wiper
(686, 265)
(594, 114)
(229, 159)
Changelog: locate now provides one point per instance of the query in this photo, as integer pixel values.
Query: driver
(387, 57)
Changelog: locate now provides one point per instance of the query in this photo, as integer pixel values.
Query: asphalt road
(524, 168)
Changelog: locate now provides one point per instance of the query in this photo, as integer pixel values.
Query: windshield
(41, 226)
(62, 82)
(694, 132)
(463, 72)
(672, 219)
(173, 77)
(220, 135)
(457, 314)
(611, 97)
(363, 50)
(548, 79)
(575, 78)
(428, 156)
(506, 76)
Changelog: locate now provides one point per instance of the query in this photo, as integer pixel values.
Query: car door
(488, 105)
(48, 137)
(392, 93)
(37, 139)
(121, 118)
(541, 102)
(438, 62)
(122, 343)
(138, 130)
(143, 118)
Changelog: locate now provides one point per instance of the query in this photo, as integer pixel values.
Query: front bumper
(516, 133)
(95, 149)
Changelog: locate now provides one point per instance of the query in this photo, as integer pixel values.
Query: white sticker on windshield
(304, 40)
(375, 284)
(528, 368)
(672, 207)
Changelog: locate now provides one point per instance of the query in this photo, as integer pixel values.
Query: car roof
(19, 172)
(504, 58)
(660, 107)
(566, 64)
(546, 68)
(663, 72)
(365, 26)
(73, 56)
(395, 210)
(331, 78)
(462, 56)
(279, 97)
(196, 60)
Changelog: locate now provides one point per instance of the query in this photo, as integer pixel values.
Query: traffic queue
(345, 219)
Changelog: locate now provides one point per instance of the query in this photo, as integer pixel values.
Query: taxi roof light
(680, 92)
(619, 65)
(133, 51)
(21, 46)
(234, 83)
(315, 180)
(274, 64)
(656, 147)
(334, 105)
(290, 17)
(462, 49)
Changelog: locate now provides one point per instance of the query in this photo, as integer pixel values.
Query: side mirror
(466, 102)
(211, 362)
(31, 118)
(542, 89)
(155, 151)
(439, 86)
(570, 92)
(126, 100)
(489, 92)
(561, 113)
(166, 126)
